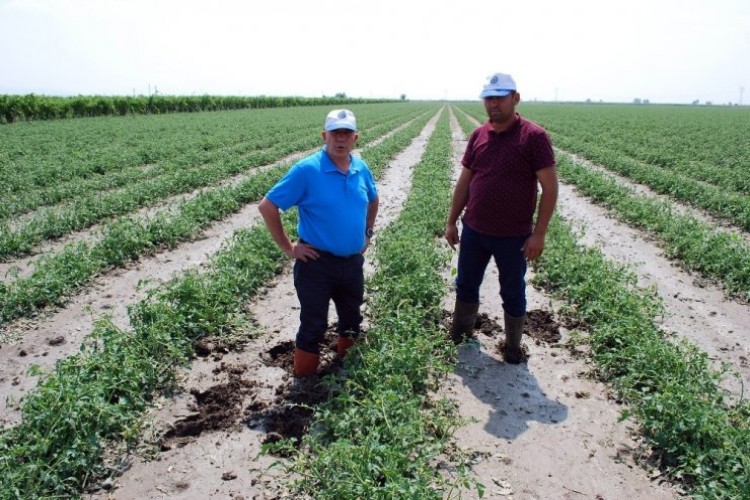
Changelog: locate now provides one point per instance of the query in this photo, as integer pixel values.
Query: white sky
(662, 50)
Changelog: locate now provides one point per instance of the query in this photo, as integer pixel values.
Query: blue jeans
(474, 255)
(319, 281)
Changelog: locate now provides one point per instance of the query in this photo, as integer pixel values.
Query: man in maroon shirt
(504, 160)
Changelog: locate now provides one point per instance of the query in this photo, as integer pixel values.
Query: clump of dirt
(487, 326)
(218, 408)
(539, 325)
(281, 355)
(218, 346)
(289, 417)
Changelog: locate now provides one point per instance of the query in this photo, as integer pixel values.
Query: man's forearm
(548, 179)
(372, 212)
(460, 196)
(272, 218)
(546, 209)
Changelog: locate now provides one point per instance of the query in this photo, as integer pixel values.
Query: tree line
(28, 107)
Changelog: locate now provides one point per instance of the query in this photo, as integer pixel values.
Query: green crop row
(698, 156)
(695, 245)
(714, 199)
(44, 164)
(705, 144)
(56, 276)
(97, 397)
(123, 175)
(670, 387)
(86, 211)
(179, 176)
(381, 436)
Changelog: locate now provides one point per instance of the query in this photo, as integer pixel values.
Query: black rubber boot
(513, 352)
(464, 315)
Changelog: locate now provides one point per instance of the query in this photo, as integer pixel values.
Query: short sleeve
(468, 158)
(540, 152)
(290, 189)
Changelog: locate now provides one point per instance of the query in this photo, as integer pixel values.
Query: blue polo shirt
(332, 205)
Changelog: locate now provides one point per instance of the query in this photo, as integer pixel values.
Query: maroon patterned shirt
(503, 187)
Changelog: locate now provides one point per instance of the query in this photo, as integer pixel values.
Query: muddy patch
(287, 419)
(540, 326)
(217, 408)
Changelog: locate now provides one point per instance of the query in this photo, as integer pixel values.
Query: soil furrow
(24, 266)
(696, 310)
(542, 429)
(679, 207)
(198, 466)
(44, 340)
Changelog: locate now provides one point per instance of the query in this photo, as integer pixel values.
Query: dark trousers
(474, 255)
(319, 281)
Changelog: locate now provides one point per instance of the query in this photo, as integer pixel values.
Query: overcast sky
(662, 50)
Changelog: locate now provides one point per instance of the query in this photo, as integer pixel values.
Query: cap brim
(339, 125)
(494, 93)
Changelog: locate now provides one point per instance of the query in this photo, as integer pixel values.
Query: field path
(541, 430)
(544, 429)
(195, 469)
(695, 309)
(57, 334)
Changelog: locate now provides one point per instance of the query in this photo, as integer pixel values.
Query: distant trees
(40, 107)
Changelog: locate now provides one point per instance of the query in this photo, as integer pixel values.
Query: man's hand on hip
(303, 252)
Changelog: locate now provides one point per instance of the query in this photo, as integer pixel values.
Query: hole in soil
(290, 415)
(218, 407)
(281, 355)
(539, 325)
(218, 346)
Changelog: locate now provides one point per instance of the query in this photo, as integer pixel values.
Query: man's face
(340, 142)
(501, 109)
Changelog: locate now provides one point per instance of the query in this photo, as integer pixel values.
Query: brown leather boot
(464, 315)
(513, 352)
(343, 344)
(305, 363)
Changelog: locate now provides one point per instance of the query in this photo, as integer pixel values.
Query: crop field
(147, 318)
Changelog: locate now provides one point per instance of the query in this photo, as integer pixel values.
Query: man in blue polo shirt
(337, 202)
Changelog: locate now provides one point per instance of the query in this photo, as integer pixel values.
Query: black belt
(330, 254)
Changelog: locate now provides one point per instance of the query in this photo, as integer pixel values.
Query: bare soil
(541, 429)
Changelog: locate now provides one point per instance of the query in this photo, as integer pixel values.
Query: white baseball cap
(498, 85)
(340, 118)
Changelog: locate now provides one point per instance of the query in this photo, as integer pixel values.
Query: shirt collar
(516, 123)
(328, 166)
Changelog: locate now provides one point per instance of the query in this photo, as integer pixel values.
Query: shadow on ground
(511, 391)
